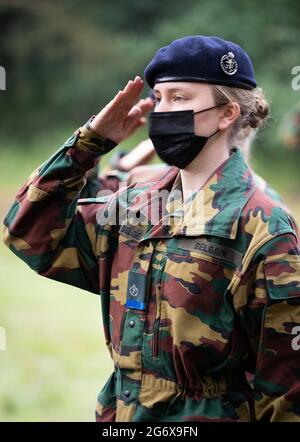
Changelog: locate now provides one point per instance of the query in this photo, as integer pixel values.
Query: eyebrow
(172, 89)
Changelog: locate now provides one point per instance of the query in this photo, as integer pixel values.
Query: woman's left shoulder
(263, 219)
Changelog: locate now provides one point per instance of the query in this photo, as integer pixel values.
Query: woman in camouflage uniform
(198, 272)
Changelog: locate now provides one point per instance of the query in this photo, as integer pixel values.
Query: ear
(229, 114)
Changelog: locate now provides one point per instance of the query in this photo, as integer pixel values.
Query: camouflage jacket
(115, 178)
(193, 294)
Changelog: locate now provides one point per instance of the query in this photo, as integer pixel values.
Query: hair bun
(260, 111)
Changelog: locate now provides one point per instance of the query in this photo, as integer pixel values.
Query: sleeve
(271, 318)
(92, 186)
(45, 226)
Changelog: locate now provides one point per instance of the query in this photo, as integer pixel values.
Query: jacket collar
(213, 210)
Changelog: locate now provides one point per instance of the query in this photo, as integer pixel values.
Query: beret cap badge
(229, 63)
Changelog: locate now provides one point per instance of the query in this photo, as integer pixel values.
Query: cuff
(88, 139)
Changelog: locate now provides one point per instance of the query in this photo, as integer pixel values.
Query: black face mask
(173, 136)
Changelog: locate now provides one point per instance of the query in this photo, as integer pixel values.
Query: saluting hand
(121, 117)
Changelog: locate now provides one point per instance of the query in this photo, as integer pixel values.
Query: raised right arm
(44, 227)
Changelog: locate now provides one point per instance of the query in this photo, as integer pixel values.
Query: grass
(56, 360)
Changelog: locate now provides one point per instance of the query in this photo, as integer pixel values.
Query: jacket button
(127, 393)
(131, 323)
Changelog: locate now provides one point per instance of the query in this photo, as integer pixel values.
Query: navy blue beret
(201, 58)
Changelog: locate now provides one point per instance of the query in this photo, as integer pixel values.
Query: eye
(156, 100)
(178, 98)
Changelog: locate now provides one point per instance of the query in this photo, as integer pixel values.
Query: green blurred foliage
(66, 59)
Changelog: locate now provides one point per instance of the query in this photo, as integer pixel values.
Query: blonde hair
(253, 107)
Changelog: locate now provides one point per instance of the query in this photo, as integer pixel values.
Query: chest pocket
(194, 306)
(125, 256)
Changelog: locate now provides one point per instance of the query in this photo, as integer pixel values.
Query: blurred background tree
(66, 59)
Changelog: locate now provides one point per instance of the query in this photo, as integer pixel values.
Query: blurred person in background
(290, 128)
